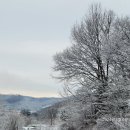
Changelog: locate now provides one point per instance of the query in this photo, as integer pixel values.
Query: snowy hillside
(18, 102)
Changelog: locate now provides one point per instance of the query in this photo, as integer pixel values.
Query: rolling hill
(19, 102)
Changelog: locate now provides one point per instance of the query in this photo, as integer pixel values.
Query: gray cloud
(14, 83)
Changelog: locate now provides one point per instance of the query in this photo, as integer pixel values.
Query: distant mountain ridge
(19, 102)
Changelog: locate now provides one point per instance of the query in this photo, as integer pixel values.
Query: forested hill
(19, 102)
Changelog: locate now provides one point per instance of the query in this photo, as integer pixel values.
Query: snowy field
(41, 127)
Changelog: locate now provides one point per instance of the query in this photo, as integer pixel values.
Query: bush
(25, 112)
(64, 127)
(67, 127)
(71, 128)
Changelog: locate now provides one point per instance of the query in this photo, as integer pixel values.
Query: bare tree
(86, 62)
(51, 114)
(97, 63)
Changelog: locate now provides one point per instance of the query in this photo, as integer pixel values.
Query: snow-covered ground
(41, 127)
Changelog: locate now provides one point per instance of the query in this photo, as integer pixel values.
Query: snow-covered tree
(51, 114)
(97, 63)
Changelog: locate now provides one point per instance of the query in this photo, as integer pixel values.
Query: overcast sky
(31, 32)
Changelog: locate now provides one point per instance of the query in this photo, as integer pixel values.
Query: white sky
(31, 32)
